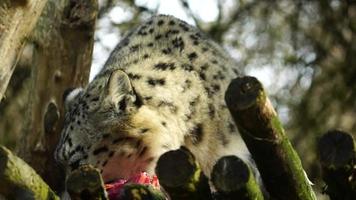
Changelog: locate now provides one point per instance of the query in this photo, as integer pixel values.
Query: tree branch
(234, 180)
(17, 19)
(258, 123)
(19, 181)
(337, 155)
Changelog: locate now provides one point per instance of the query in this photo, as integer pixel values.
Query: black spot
(219, 75)
(147, 98)
(196, 43)
(69, 140)
(193, 37)
(216, 87)
(178, 43)
(100, 150)
(154, 82)
(167, 50)
(189, 117)
(171, 32)
(164, 124)
(157, 37)
(184, 26)
(122, 104)
(150, 44)
(235, 71)
(171, 106)
(134, 48)
(134, 76)
(164, 66)
(160, 22)
(79, 148)
(95, 99)
(111, 154)
(122, 139)
(188, 84)
(142, 32)
(172, 23)
(129, 155)
(204, 67)
(144, 130)
(106, 135)
(204, 49)
(211, 111)
(85, 157)
(194, 101)
(214, 61)
(104, 163)
(75, 164)
(197, 134)
(208, 91)
(145, 56)
(151, 30)
(232, 127)
(187, 67)
(71, 128)
(78, 122)
(202, 76)
(192, 56)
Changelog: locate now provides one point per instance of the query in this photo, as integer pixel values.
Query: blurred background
(304, 52)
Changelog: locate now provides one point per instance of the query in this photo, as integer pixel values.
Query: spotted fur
(161, 88)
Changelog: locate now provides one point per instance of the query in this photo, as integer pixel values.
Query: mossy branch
(260, 127)
(181, 176)
(19, 181)
(233, 179)
(337, 155)
(86, 183)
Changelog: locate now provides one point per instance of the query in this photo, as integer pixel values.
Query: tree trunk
(17, 19)
(260, 128)
(62, 57)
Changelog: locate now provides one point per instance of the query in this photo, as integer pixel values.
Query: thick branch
(20, 181)
(17, 19)
(181, 177)
(258, 123)
(234, 180)
(63, 39)
(337, 155)
(86, 183)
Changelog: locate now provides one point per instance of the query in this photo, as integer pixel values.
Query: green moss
(18, 180)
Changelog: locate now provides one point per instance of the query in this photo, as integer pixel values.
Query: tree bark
(258, 123)
(20, 181)
(233, 179)
(181, 176)
(337, 156)
(62, 57)
(86, 183)
(17, 19)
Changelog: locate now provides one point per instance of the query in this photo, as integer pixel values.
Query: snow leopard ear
(69, 95)
(120, 91)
